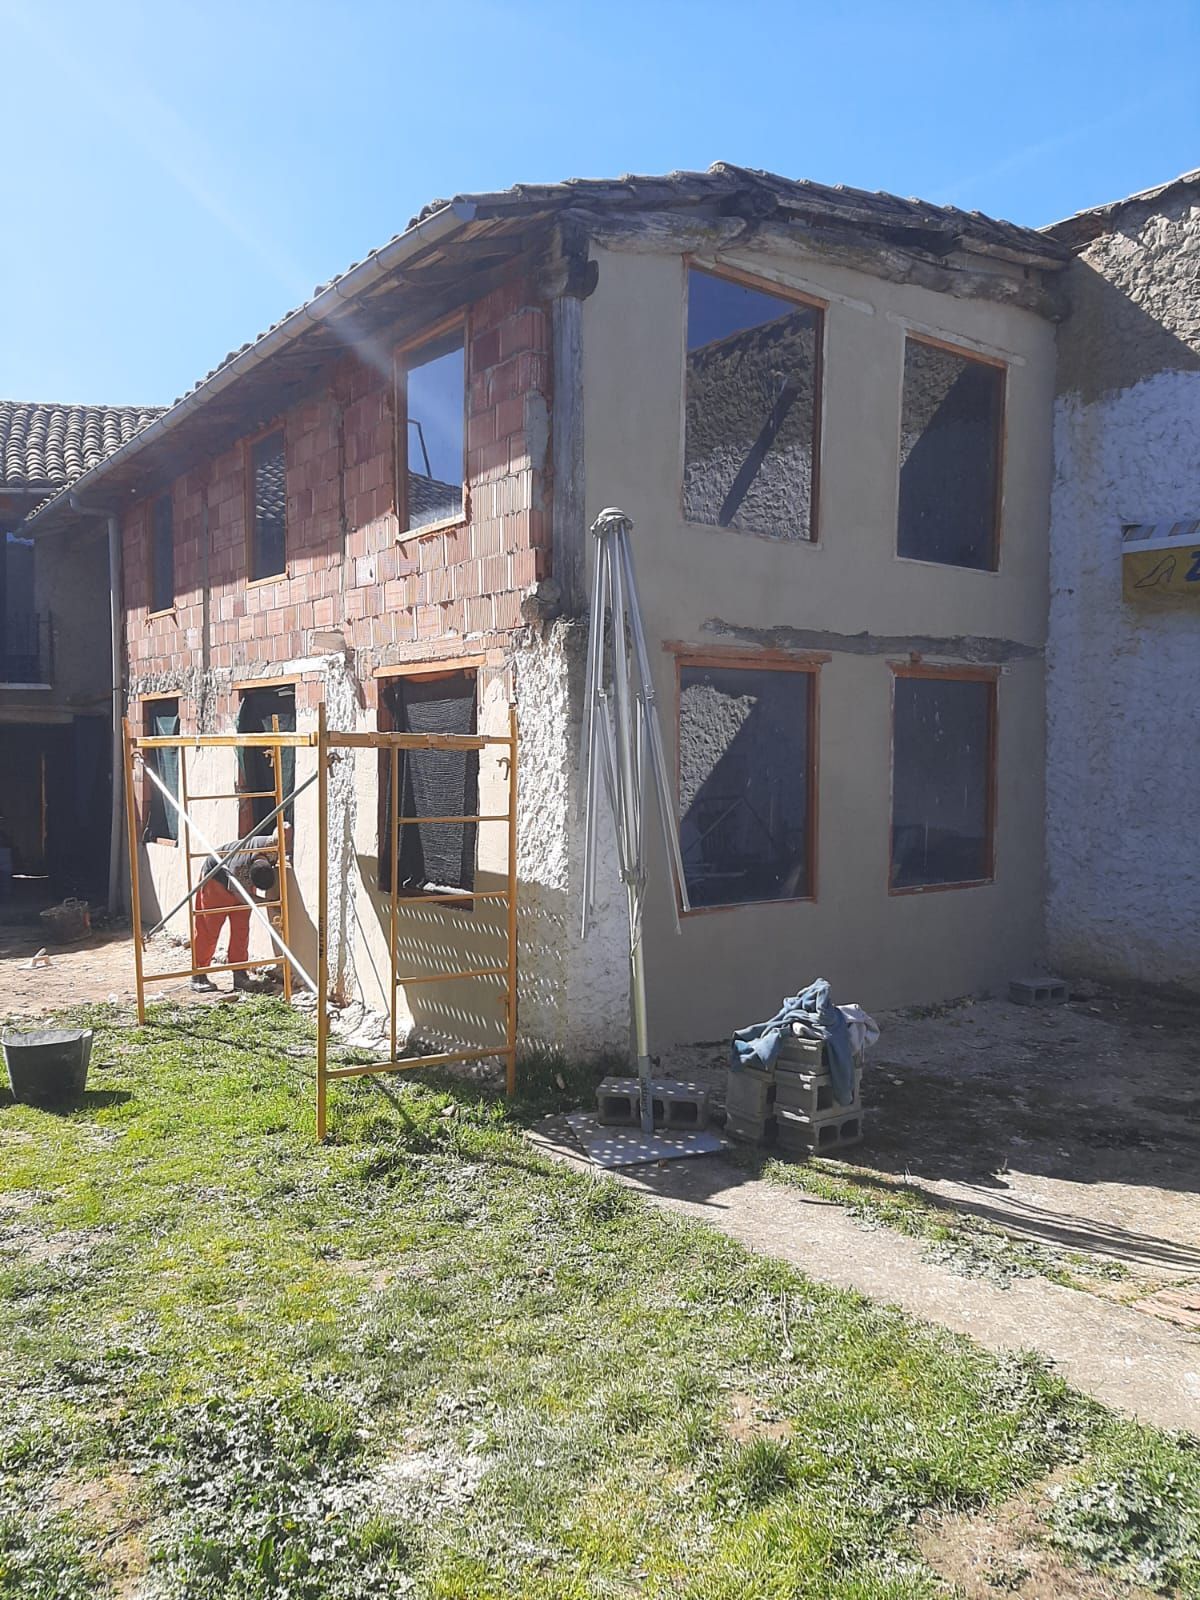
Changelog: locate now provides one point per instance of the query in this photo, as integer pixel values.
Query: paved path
(1131, 1361)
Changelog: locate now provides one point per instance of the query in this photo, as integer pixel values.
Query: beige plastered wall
(715, 587)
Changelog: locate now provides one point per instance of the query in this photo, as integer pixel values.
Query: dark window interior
(745, 781)
(163, 556)
(431, 430)
(162, 721)
(432, 783)
(256, 771)
(268, 543)
(949, 457)
(941, 781)
(22, 632)
(751, 409)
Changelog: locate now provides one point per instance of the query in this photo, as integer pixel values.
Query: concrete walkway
(1127, 1359)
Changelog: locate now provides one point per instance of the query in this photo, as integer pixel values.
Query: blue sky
(177, 176)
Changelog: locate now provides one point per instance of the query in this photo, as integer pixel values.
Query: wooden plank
(414, 1063)
(510, 1066)
(322, 915)
(135, 906)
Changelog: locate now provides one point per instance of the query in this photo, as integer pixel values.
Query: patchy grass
(423, 1360)
(967, 1244)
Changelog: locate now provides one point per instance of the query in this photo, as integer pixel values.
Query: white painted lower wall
(1123, 732)
(573, 995)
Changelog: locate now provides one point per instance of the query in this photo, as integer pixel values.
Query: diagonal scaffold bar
(309, 983)
(622, 748)
(233, 850)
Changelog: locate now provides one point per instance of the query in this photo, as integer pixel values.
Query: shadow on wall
(470, 1012)
(1109, 342)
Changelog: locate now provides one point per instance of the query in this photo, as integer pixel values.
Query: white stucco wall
(1123, 737)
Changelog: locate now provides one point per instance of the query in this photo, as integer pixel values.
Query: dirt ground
(1075, 1126)
(96, 969)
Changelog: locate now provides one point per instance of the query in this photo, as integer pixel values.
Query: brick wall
(453, 591)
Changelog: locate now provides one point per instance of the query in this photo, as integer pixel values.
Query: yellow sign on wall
(1161, 558)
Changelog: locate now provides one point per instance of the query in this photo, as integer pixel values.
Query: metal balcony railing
(27, 648)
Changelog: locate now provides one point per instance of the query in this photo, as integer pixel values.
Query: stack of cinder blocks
(677, 1105)
(791, 1103)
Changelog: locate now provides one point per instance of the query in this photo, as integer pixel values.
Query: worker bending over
(253, 865)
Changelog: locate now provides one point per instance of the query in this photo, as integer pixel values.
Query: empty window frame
(943, 778)
(266, 506)
(951, 448)
(434, 856)
(160, 719)
(162, 555)
(256, 771)
(747, 780)
(751, 408)
(431, 410)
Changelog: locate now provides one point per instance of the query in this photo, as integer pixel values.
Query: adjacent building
(1123, 768)
(55, 658)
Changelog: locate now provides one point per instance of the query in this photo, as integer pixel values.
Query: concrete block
(812, 1096)
(1037, 991)
(749, 1094)
(750, 1130)
(675, 1105)
(797, 1054)
(818, 1135)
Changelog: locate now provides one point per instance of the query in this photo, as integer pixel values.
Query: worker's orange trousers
(215, 898)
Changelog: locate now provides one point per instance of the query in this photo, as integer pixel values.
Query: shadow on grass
(89, 1100)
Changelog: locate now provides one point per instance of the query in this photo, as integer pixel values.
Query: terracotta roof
(350, 305)
(1080, 229)
(48, 446)
(738, 191)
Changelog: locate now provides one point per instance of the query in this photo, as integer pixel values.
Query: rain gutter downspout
(116, 644)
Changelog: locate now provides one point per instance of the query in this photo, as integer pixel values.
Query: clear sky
(176, 176)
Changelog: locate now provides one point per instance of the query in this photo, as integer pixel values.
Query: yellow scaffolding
(392, 744)
(326, 741)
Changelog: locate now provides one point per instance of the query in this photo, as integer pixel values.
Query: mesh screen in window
(432, 783)
(268, 507)
(745, 783)
(162, 583)
(942, 781)
(750, 448)
(950, 432)
(431, 436)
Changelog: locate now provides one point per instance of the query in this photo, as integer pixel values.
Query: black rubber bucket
(48, 1067)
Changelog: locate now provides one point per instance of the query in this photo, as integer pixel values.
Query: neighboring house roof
(49, 446)
(476, 233)
(1079, 230)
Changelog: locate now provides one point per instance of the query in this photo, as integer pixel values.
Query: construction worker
(217, 902)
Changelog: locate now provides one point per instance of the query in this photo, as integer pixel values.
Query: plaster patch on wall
(574, 995)
(1123, 739)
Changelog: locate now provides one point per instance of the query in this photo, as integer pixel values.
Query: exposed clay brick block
(1037, 991)
(485, 350)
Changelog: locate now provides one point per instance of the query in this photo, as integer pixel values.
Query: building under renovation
(830, 417)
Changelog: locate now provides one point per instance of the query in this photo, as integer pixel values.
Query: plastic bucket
(49, 1066)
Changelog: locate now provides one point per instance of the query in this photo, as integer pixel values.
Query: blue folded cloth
(758, 1045)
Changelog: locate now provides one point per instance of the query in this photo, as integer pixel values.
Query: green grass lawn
(423, 1360)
